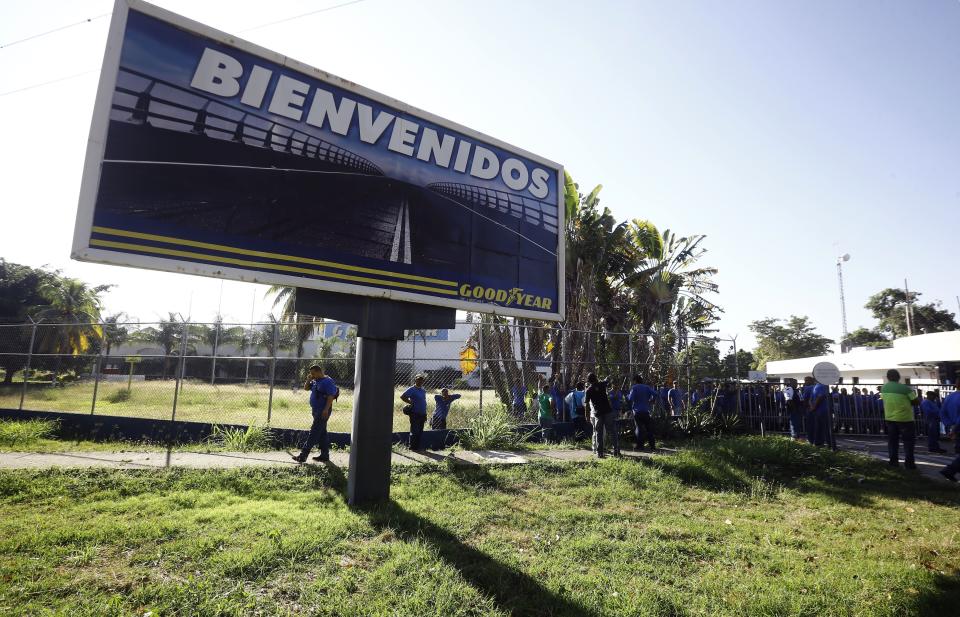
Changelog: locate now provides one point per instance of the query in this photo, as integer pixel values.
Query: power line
(47, 83)
(58, 80)
(286, 19)
(42, 34)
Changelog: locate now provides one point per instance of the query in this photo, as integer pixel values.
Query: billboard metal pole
(26, 369)
(380, 324)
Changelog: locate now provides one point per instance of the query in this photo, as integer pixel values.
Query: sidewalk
(928, 464)
(226, 460)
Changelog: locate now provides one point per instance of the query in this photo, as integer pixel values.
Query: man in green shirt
(898, 402)
(545, 402)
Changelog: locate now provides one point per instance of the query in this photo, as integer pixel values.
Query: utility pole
(906, 290)
(843, 301)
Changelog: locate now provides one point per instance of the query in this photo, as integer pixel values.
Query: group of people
(415, 399)
(808, 409)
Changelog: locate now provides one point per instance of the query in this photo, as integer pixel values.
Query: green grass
(726, 527)
(41, 436)
(221, 404)
(26, 433)
(249, 439)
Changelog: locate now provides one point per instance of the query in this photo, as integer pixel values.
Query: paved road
(927, 463)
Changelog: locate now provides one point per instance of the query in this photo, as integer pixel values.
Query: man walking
(898, 402)
(640, 397)
(806, 395)
(416, 399)
(322, 393)
(601, 416)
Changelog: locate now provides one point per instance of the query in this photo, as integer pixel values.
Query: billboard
(209, 155)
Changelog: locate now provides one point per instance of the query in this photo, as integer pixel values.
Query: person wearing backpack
(323, 391)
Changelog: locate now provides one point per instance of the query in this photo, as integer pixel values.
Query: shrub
(494, 429)
(240, 439)
(120, 396)
(21, 433)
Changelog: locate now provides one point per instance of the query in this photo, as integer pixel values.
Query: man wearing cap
(322, 393)
(416, 399)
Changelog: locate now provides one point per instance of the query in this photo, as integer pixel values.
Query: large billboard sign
(209, 155)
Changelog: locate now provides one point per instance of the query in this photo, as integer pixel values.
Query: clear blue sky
(788, 132)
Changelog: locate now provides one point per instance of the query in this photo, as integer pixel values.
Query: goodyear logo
(506, 297)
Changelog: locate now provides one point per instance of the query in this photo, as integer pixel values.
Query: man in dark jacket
(601, 416)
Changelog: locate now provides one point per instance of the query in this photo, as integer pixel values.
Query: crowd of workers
(812, 411)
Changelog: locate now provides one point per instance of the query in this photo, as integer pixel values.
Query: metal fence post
(273, 369)
(213, 360)
(736, 371)
(413, 364)
(98, 368)
(481, 363)
(630, 354)
(26, 369)
(178, 379)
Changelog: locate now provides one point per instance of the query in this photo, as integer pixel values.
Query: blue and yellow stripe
(168, 246)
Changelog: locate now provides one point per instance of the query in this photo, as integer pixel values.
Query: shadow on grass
(941, 597)
(751, 464)
(513, 591)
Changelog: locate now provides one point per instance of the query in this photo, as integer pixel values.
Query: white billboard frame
(96, 145)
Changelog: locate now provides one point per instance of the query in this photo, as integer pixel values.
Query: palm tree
(168, 335)
(113, 332)
(76, 308)
(303, 326)
(219, 335)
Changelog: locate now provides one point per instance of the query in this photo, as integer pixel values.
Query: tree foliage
(889, 308)
(785, 340)
(48, 297)
(865, 337)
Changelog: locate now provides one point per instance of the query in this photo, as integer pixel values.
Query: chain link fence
(253, 374)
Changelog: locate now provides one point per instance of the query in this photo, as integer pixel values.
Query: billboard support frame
(380, 324)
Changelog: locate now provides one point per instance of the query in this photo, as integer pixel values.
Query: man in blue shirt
(576, 402)
(930, 408)
(323, 391)
(416, 399)
(616, 399)
(806, 395)
(675, 400)
(950, 416)
(640, 397)
(439, 420)
(557, 394)
(519, 400)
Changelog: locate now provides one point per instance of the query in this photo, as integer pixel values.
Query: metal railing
(144, 99)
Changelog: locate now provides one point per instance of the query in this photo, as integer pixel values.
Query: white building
(923, 359)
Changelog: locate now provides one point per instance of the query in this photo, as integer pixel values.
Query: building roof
(907, 352)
